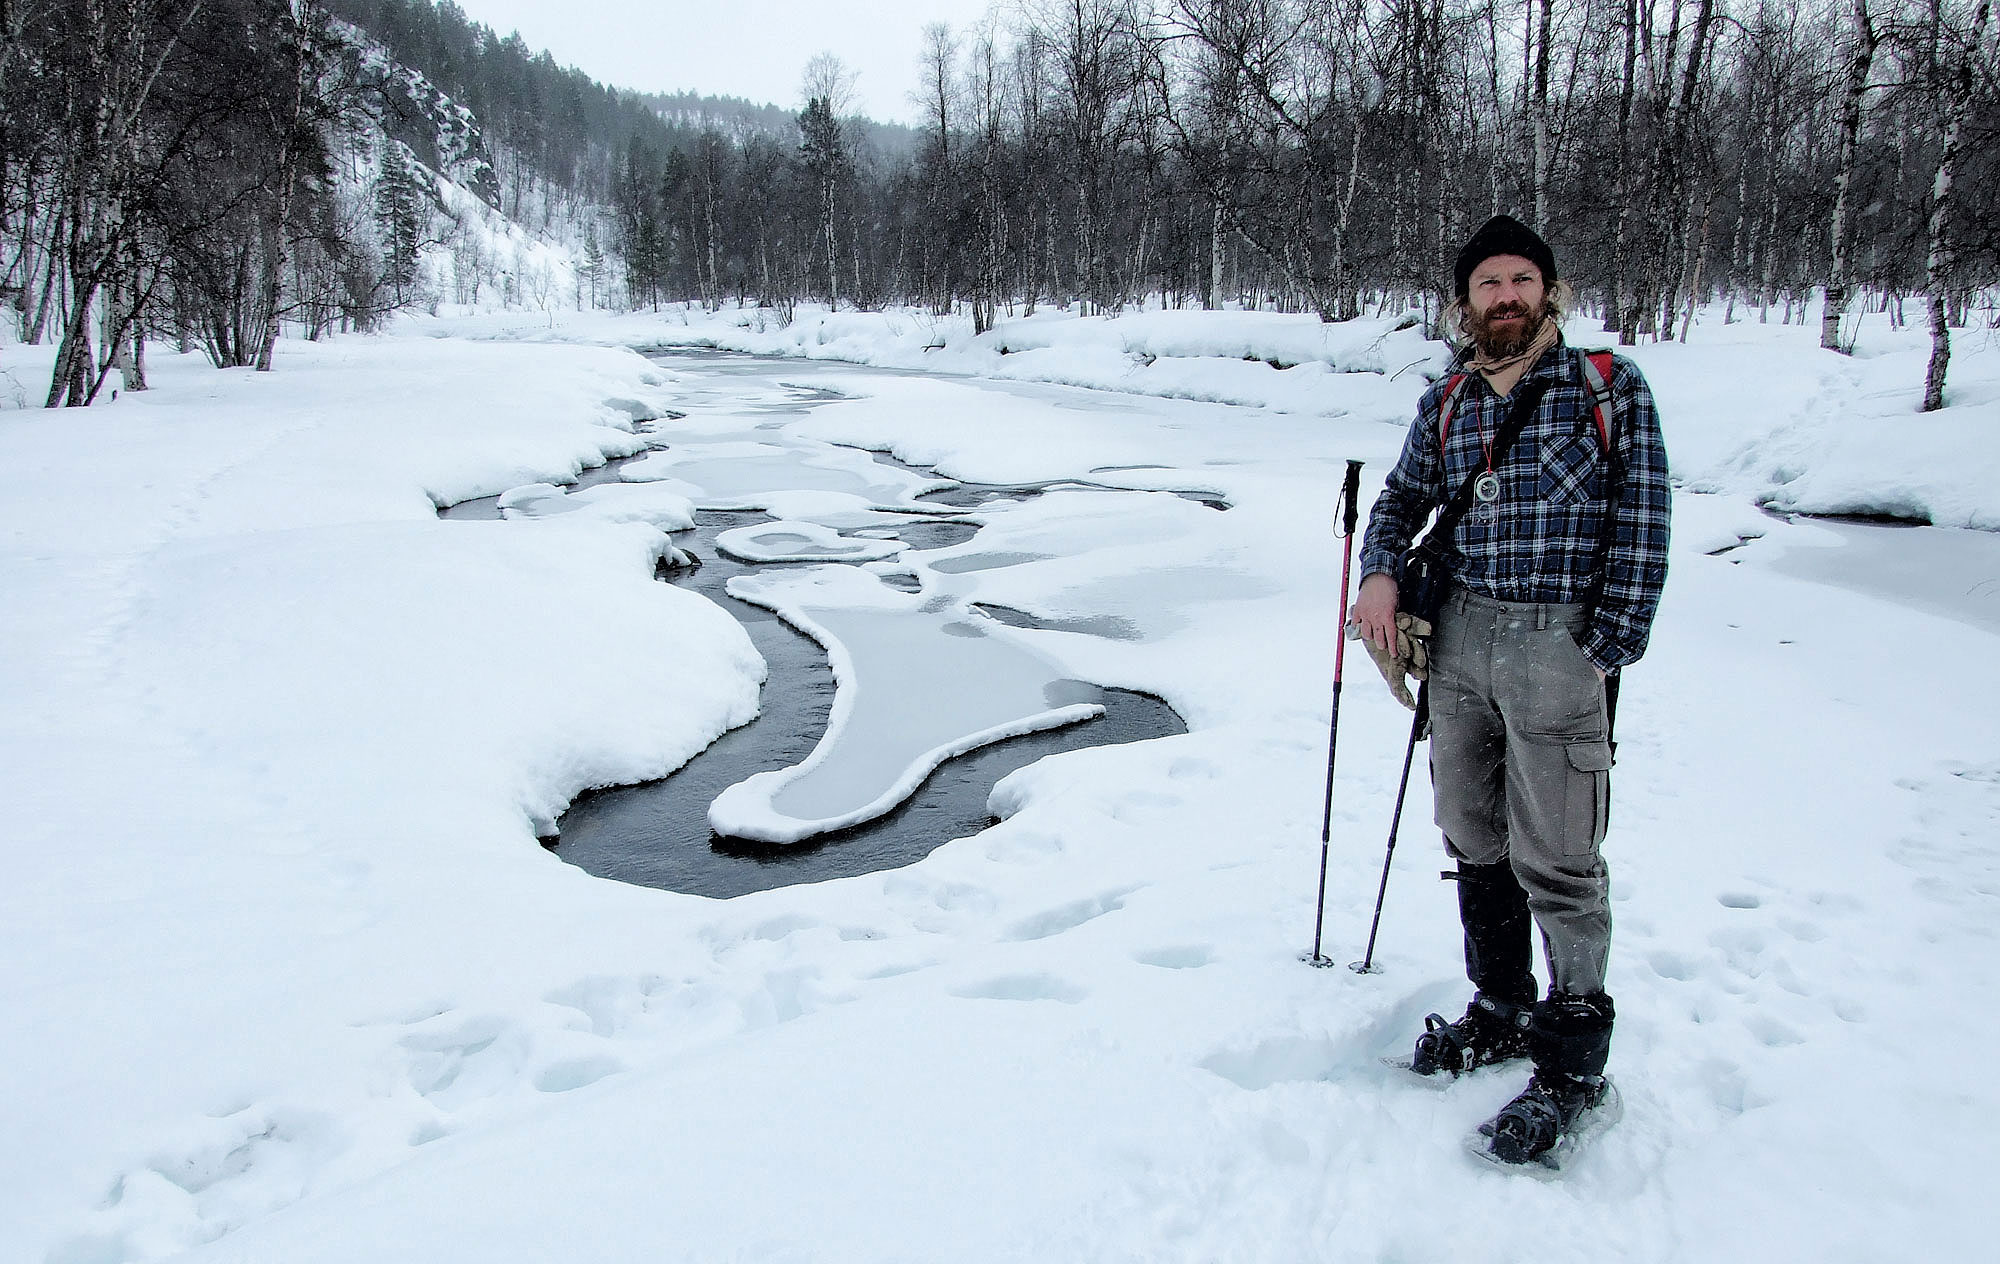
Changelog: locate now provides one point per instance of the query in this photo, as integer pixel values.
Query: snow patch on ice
(784, 540)
(916, 685)
(655, 505)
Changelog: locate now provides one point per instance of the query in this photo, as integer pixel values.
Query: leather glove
(1413, 644)
(1411, 657)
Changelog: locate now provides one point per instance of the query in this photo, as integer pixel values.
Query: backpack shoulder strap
(1598, 371)
(1597, 374)
(1448, 404)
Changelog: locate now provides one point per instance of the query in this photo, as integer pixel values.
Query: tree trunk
(714, 268)
(832, 251)
(116, 348)
(1615, 316)
(1938, 268)
(1217, 248)
(71, 380)
(1739, 240)
(1700, 256)
(1136, 284)
(1858, 69)
(277, 232)
(82, 252)
(38, 321)
(1541, 107)
(1347, 309)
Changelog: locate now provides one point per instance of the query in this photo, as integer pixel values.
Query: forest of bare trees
(162, 165)
(172, 167)
(1329, 155)
(214, 171)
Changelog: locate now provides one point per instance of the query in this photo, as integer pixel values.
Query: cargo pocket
(1587, 803)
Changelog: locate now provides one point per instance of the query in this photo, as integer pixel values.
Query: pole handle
(1349, 508)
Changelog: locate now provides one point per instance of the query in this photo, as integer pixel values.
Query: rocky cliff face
(440, 133)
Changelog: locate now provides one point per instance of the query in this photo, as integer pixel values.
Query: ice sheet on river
(746, 474)
(788, 541)
(897, 659)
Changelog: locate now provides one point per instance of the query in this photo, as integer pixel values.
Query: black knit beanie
(1502, 235)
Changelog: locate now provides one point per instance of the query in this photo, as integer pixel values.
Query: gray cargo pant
(1521, 759)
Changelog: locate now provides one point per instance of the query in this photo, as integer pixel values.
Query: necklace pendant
(1487, 487)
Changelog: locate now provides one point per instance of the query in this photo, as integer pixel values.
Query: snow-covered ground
(293, 981)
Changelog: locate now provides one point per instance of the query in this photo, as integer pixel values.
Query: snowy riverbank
(295, 982)
(1757, 411)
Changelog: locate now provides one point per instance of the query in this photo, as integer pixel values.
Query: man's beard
(1504, 344)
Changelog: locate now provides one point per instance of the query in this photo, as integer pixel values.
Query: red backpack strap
(1597, 374)
(1447, 403)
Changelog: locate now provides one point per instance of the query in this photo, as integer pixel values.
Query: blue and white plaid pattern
(1540, 540)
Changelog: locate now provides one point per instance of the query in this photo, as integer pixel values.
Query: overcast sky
(740, 48)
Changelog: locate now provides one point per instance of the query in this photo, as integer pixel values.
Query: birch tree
(986, 89)
(937, 80)
(1097, 67)
(305, 42)
(1860, 66)
(828, 89)
(1960, 60)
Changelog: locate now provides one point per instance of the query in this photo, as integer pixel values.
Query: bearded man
(1555, 570)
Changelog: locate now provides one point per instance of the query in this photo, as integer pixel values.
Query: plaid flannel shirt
(1541, 540)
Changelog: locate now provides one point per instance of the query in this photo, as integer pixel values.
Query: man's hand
(1375, 612)
(1408, 654)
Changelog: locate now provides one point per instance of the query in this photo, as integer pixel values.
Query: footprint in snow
(1143, 807)
(1013, 845)
(576, 1073)
(234, 1170)
(1022, 987)
(782, 927)
(609, 1004)
(1279, 1060)
(1177, 957)
(1673, 965)
(1069, 916)
(452, 1064)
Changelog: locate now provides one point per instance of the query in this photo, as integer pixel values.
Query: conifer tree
(401, 212)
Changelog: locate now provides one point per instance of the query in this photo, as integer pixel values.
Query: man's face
(1507, 302)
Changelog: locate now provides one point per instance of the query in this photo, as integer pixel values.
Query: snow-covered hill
(494, 234)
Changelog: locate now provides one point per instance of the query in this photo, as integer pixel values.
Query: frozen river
(1952, 572)
(897, 695)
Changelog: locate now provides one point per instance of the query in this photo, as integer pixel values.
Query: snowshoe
(1546, 1122)
(1491, 1031)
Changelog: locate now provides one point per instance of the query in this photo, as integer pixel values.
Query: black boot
(1491, 1031)
(1493, 909)
(1570, 1038)
(1499, 936)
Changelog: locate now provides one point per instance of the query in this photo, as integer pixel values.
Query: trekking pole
(1418, 726)
(1347, 511)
